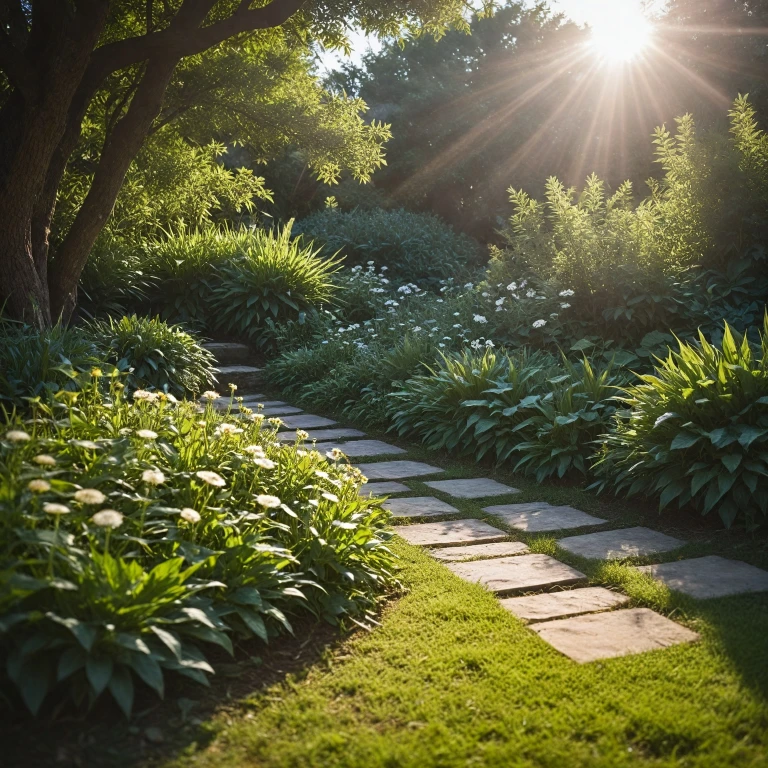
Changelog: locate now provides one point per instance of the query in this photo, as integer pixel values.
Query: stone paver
(229, 353)
(306, 421)
(322, 435)
(476, 488)
(357, 448)
(558, 605)
(615, 545)
(244, 376)
(397, 470)
(382, 489)
(419, 506)
(251, 401)
(277, 410)
(708, 577)
(540, 516)
(498, 549)
(615, 633)
(514, 575)
(450, 533)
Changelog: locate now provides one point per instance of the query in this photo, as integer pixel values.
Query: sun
(621, 33)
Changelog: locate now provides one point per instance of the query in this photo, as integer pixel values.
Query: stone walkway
(585, 623)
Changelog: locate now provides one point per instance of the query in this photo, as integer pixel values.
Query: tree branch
(15, 66)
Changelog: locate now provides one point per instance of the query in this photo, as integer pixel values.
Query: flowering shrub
(136, 534)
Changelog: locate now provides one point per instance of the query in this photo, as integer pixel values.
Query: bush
(155, 354)
(211, 530)
(418, 247)
(697, 432)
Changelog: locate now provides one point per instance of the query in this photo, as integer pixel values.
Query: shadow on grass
(161, 729)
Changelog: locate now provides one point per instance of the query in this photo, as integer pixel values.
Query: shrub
(211, 530)
(155, 354)
(696, 432)
(271, 280)
(418, 247)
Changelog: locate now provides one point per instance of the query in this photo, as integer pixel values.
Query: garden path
(586, 623)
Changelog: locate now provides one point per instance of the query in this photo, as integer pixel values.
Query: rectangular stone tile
(450, 533)
(243, 376)
(224, 402)
(498, 549)
(616, 633)
(475, 488)
(708, 577)
(357, 448)
(540, 516)
(558, 605)
(384, 488)
(277, 410)
(322, 435)
(419, 506)
(306, 421)
(514, 575)
(251, 401)
(229, 353)
(615, 545)
(397, 470)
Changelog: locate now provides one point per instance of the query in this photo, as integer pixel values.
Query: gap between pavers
(598, 636)
(450, 533)
(397, 470)
(709, 577)
(321, 435)
(473, 488)
(358, 448)
(515, 575)
(559, 605)
(419, 506)
(621, 543)
(540, 516)
(383, 488)
(497, 549)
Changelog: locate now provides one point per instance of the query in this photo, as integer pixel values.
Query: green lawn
(452, 679)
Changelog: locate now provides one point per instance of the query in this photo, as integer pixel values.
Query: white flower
(376, 290)
(210, 395)
(302, 434)
(500, 302)
(228, 429)
(211, 478)
(39, 486)
(301, 452)
(330, 496)
(17, 436)
(265, 500)
(539, 323)
(567, 292)
(468, 286)
(335, 454)
(142, 394)
(254, 450)
(257, 417)
(275, 422)
(146, 434)
(55, 509)
(232, 387)
(530, 293)
(170, 398)
(480, 319)
(44, 460)
(190, 515)
(476, 344)
(153, 477)
(512, 286)
(264, 463)
(107, 518)
(489, 344)
(90, 496)
(416, 328)
(565, 305)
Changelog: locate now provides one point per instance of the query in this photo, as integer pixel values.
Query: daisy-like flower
(210, 395)
(264, 463)
(211, 478)
(107, 518)
(301, 452)
(539, 323)
(170, 398)
(265, 500)
(565, 305)
(258, 417)
(190, 515)
(567, 292)
(90, 496)
(228, 429)
(512, 286)
(142, 394)
(321, 473)
(330, 496)
(153, 477)
(44, 460)
(39, 486)
(51, 508)
(480, 319)
(146, 434)
(302, 434)
(88, 445)
(232, 387)
(254, 450)
(335, 454)
(275, 422)
(17, 436)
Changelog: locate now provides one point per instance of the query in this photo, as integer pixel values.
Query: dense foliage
(136, 533)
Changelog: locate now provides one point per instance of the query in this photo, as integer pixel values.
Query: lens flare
(621, 34)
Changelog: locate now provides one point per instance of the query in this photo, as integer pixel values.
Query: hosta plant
(696, 432)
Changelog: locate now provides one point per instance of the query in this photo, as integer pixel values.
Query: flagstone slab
(306, 421)
(229, 353)
(475, 488)
(523, 573)
(498, 549)
(322, 435)
(615, 633)
(243, 376)
(558, 605)
(615, 545)
(450, 533)
(397, 470)
(382, 489)
(357, 448)
(540, 516)
(277, 410)
(419, 506)
(709, 577)
(253, 400)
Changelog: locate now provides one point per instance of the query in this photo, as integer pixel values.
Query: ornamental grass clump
(136, 532)
(696, 432)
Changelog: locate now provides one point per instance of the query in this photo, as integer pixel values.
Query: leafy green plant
(155, 354)
(696, 432)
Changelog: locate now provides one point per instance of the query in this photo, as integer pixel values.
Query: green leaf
(684, 440)
(149, 671)
(731, 461)
(98, 670)
(34, 682)
(121, 688)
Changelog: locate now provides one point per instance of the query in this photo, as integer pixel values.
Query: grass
(450, 678)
